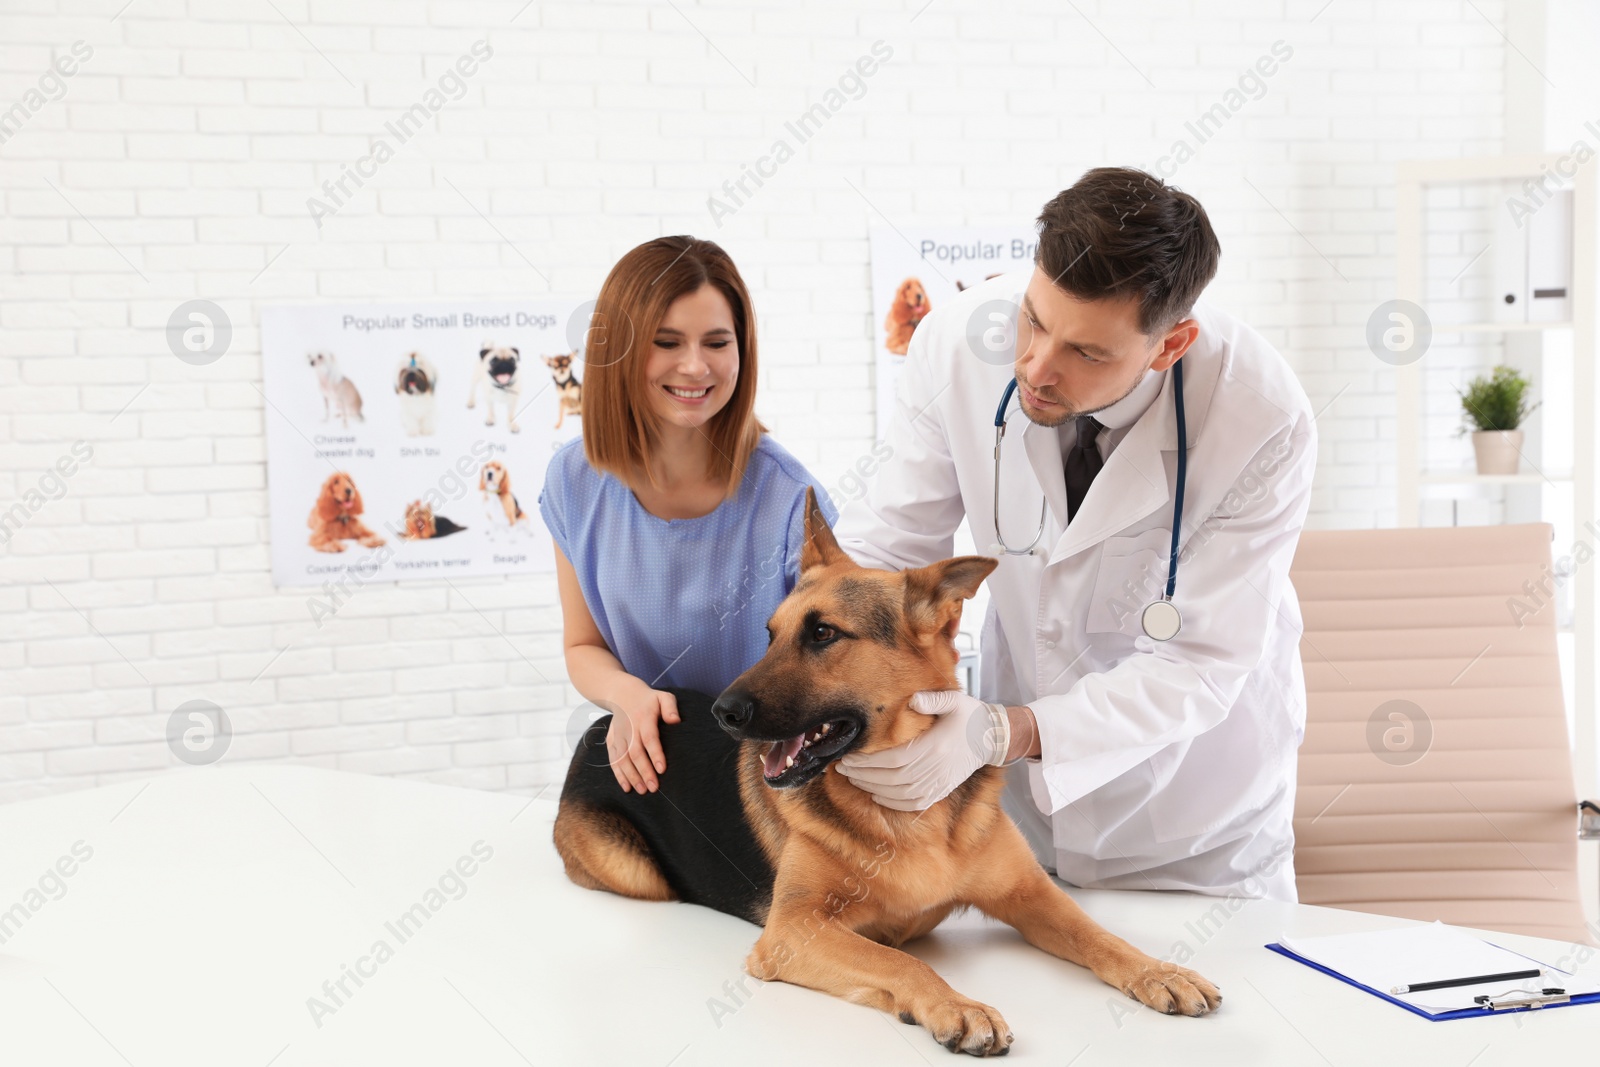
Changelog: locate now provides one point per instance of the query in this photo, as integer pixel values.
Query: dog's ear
(356, 506)
(820, 549)
(327, 508)
(934, 593)
(484, 351)
(517, 352)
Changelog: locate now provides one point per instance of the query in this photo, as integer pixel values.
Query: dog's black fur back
(695, 824)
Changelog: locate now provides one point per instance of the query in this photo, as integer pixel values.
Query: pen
(1508, 976)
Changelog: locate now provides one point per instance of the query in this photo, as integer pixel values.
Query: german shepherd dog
(748, 821)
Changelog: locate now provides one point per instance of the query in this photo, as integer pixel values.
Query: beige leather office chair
(1435, 778)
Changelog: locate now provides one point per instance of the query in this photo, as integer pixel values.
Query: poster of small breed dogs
(505, 516)
(423, 525)
(339, 394)
(415, 383)
(910, 307)
(498, 368)
(336, 518)
(569, 390)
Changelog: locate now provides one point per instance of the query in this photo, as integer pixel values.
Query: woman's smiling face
(693, 363)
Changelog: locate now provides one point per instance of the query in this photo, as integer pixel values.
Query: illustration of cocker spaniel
(336, 517)
(910, 307)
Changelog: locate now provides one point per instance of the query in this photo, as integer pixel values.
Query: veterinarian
(1136, 761)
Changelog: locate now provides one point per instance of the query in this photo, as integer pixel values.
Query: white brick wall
(178, 162)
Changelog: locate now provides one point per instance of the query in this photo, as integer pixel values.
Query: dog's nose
(733, 710)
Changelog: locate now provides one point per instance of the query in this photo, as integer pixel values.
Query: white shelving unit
(1413, 178)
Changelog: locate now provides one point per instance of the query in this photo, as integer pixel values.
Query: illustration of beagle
(500, 505)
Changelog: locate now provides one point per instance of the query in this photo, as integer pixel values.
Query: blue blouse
(682, 602)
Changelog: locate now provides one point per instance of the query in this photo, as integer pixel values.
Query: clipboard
(1484, 1011)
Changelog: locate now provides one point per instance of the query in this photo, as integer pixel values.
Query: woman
(677, 519)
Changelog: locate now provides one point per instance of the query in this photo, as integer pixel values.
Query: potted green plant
(1493, 408)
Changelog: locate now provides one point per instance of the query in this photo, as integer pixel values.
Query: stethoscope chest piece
(1161, 620)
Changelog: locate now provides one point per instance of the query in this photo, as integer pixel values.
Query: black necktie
(1083, 463)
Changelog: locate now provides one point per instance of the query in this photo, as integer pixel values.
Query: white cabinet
(1557, 348)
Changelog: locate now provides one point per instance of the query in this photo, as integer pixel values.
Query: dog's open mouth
(796, 760)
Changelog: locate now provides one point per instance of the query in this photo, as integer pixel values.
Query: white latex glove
(969, 734)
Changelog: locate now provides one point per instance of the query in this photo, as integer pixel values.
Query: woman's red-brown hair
(619, 425)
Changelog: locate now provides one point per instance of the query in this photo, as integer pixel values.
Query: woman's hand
(633, 743)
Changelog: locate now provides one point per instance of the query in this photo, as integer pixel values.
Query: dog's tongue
(778, 754)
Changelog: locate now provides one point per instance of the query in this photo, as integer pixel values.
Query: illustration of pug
(338, 392)
(569, 390)
(498, 366)
(414, 384)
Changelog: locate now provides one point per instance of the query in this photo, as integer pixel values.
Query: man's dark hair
(1119, 231)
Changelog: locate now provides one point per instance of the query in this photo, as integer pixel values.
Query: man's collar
(1126, 412)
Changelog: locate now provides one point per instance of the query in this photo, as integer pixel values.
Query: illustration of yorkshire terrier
(336, 517)
(569, 389)
(423, 525)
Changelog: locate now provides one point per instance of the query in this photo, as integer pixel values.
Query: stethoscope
(1160, 618)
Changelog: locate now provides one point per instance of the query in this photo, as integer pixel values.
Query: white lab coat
(1163, 765)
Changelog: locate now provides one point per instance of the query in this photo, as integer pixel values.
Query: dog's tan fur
(855, 879)
(602, 850)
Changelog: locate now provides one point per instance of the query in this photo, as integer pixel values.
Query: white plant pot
(1498, 451)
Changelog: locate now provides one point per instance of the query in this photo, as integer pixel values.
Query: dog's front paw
(962, 1025)
(1174, 990)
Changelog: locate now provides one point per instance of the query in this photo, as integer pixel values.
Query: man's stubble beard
(1066, 416)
